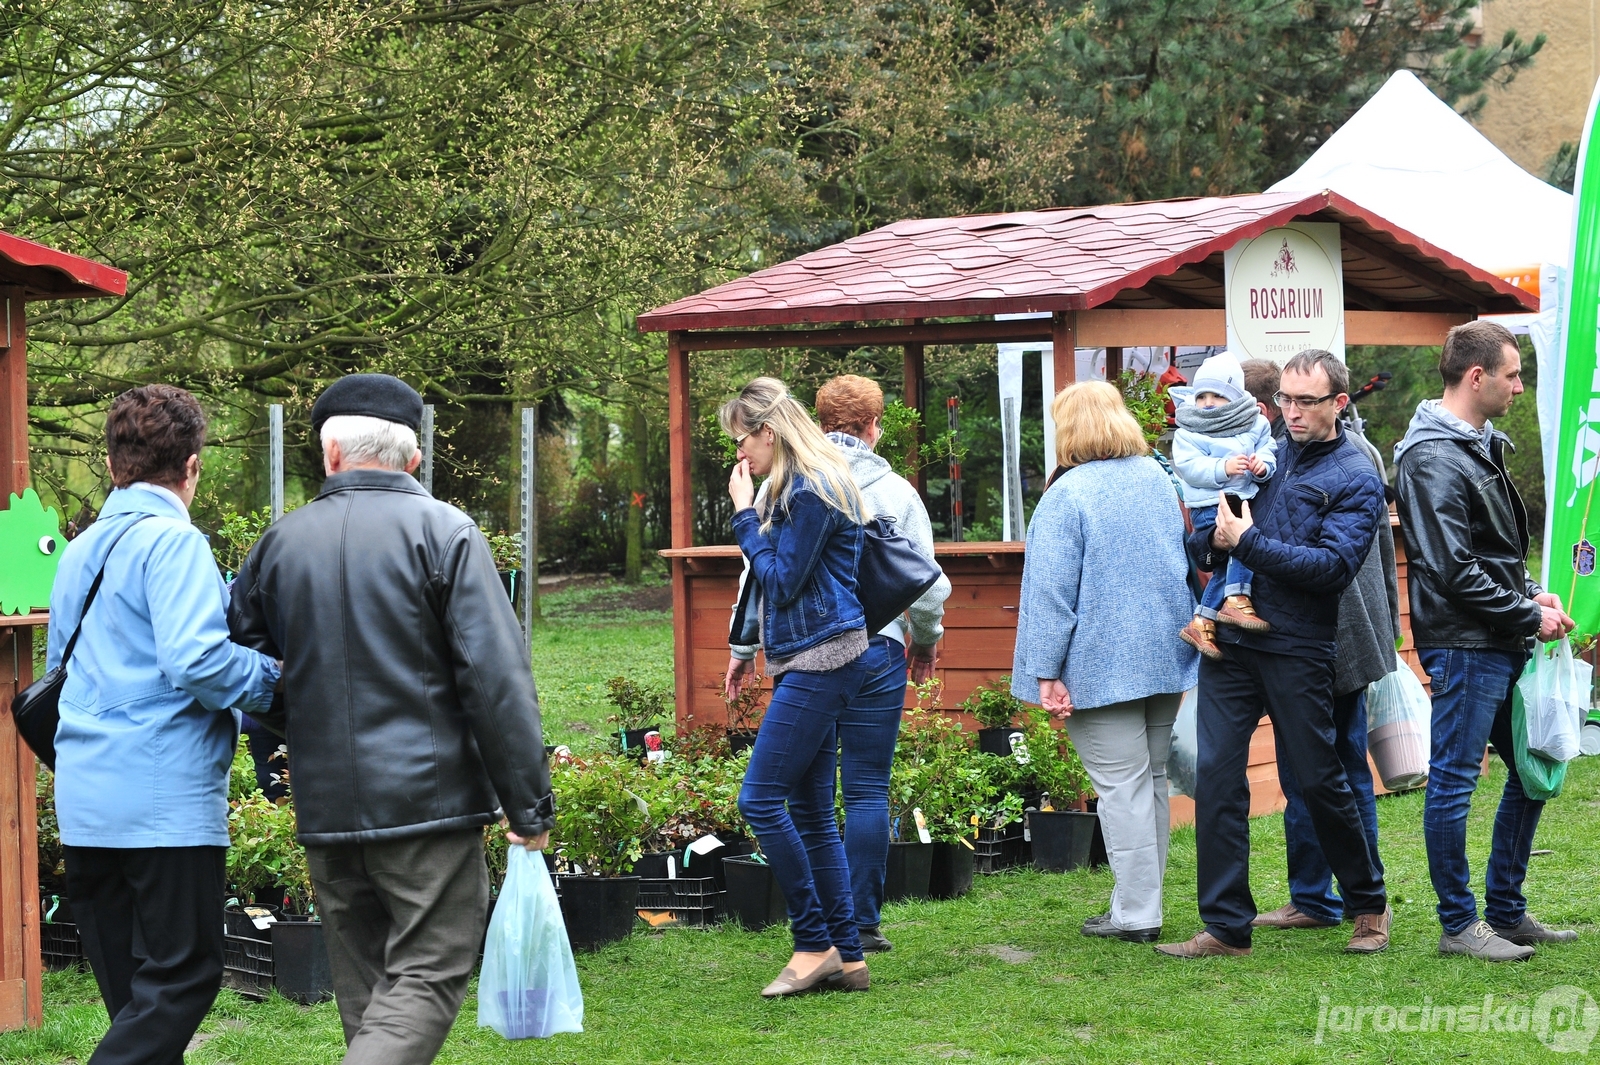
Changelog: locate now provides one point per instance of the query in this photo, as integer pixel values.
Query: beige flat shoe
(790, 983)
(850, 980)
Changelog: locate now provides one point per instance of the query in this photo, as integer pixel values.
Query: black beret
(374, 395)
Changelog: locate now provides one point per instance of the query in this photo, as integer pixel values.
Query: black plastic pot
(237, 922)
(711, 864)
(598, 909)
(511, 581)
(1062, 839)
(653, 864)
(996, 740)
(910, 865)
(950, 875)
(633, 739)
(300, 969)
(753, 897)
(1097, 848)
(741, 739)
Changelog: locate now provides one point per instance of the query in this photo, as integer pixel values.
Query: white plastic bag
(1185, 751)
(528, 988)
(1555, 697)
(1399, 727)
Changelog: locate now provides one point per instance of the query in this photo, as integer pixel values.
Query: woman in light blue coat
(148, 731)
(1104, 581)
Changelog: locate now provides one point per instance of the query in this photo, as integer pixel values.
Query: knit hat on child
(1222, 374)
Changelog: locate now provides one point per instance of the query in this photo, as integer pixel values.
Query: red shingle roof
(1075, 259)
(47, 274)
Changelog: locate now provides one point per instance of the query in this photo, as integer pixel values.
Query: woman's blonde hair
(799, 448)
(1093, 423)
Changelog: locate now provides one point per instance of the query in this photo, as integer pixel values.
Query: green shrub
(993, 705)
(601, 819)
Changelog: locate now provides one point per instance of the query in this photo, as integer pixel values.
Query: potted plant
(926, 779)
(996, 710)
(265, 861)
(745, 713)
(601, 822)
(507, 551)
(640, 708)
(753, 897)
(1061, 837)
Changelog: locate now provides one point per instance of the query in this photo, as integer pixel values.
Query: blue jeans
(1310, 875)
(787, 799)
(867, 732)
(1235, 580)
(1472, 707)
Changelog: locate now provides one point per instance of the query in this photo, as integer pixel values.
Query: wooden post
(1113, 364)
(916, 396)
(680, 419)
(1064, 347)
(21, 999)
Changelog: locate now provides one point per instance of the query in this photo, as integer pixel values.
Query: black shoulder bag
(893, 573)
(36, 710)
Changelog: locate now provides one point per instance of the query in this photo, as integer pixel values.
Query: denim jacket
(146, 736)
(804, 571)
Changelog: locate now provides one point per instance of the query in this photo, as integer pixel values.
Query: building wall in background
(1546, 104)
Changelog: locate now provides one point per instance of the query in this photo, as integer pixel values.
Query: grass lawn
(1002, 975)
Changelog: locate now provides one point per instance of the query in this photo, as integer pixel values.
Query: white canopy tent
(1411, 159)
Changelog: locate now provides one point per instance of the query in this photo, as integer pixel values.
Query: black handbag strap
(94, 588)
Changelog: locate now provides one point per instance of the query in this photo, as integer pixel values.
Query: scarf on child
(1230, 419)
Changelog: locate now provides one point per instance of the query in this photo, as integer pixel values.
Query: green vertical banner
(1574, 531)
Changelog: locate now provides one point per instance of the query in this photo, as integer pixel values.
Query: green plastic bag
(1541, 777)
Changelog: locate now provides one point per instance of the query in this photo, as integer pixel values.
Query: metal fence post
(530, 457)
(427, 448)
(275, 462)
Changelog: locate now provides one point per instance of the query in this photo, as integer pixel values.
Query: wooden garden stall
(28, 272)
(1110, 277)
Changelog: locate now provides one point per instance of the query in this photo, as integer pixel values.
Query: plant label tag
(703, 846)
(922, 825)
(672, 867)
(1027, 829)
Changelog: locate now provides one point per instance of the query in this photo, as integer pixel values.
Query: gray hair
(1308, 360)
(365, 440)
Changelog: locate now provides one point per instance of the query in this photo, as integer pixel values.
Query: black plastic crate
(1000, 848)
(685, 902)
(59, 946)
(247, 966)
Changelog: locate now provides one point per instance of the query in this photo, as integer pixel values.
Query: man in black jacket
(411, 717)
(1314, 523)
(1473, 612)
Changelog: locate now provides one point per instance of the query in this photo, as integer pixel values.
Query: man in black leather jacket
(411, 716)
(1474, 611)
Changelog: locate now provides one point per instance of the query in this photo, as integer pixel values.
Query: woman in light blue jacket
(1104, 581)
(148, 731)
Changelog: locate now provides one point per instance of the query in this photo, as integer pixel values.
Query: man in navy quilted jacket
(1311, 529)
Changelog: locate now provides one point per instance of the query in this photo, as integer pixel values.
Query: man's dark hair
(1308, 360)
(150, 433)
(1473, 344)
(1261, 379)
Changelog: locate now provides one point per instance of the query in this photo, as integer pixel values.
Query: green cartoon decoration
(30, 547)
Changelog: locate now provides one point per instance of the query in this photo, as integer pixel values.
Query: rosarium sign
(1286, 292)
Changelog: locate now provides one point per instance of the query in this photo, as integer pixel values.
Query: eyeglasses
(1283, 399)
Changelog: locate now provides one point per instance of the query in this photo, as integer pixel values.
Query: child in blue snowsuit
(1223, 445)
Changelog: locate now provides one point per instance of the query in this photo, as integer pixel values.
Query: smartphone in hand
(1235, 504)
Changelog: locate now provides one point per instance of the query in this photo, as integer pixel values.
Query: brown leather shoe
(1201, 635)
(1237, 610)
(1288, 916)
(1372, 932)
(1204, 945)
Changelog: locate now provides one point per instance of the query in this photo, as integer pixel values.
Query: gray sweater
(1369, 610)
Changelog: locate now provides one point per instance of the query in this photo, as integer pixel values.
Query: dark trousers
(150, 919)
(1298, 696)
(1310, 875)
(868, 728)
(788, 800)
(403, 919)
